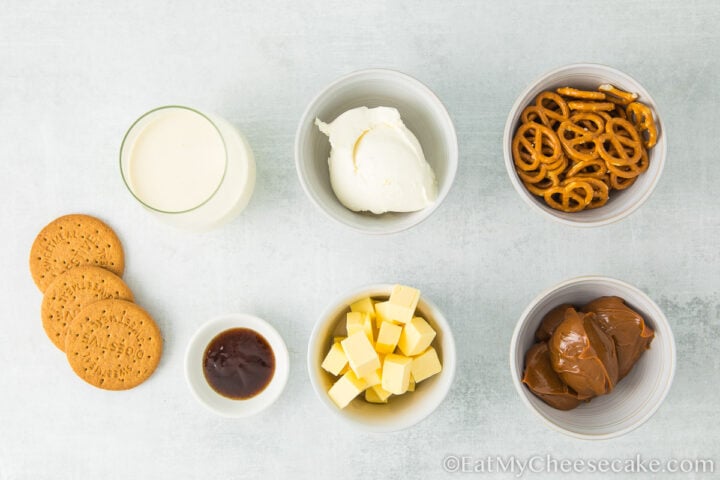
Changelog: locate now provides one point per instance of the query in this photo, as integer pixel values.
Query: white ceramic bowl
(209, 397)
(421, 111)
(621, 203)
(401, 411)
(635, 398)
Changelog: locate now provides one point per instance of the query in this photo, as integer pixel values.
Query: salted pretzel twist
(642, 119)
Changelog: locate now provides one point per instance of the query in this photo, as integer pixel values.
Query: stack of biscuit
(87, 309)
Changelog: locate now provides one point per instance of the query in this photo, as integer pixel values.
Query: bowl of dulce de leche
(593, 357)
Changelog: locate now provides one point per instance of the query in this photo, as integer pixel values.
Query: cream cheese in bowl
(376, 163)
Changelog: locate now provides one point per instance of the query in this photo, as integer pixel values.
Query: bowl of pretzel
(584, 145)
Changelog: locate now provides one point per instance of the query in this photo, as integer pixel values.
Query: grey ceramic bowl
(421, 111)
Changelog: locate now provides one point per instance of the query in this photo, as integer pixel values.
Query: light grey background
(74, 75)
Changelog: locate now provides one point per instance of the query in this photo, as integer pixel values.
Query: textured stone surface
(74, 75)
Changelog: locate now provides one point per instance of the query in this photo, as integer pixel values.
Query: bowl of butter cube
(382, 357)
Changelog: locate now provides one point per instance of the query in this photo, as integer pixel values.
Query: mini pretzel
(620, 183)
(624, 171)
(558, 168)
(525, 161)
(588, 168)
(605, 116)
(616, 95)
(571, 197)
(528, 161)
(537, 182)
(550, 109)
(581, 94)
(591, 106)
(642, 119)
(539, 188)
(578, 143)
(619, 111)
(644, 161)
(543, 116)
(620, 145)
(622, 127)
(600, 190)
(534, 144)
(590, 122)
(536, 176)
(533, 176)
(592, 178)
(603, 178)
(631, 170)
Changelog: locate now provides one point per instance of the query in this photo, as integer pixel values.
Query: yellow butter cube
(346, 389)
(416, 336)
(335, 360)
(381, 392)
(373, 378)
(364, 305)
(388, 337)
(390, 312)
(360, 353)
(425, 365)
(360, 322)
(401, 306)
(378, 322)
(376, 394)
(354, 322)
(380, 313)
(345, 369)
(338, 339)
(407, 297)
(369, 327)
(396, 373)
(372, 397)
(411, 385)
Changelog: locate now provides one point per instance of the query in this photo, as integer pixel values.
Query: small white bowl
(622, 202)
(204, 392)
(401, 411)
(635, 398)
(421, 111)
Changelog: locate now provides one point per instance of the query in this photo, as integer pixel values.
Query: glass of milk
(192, 170)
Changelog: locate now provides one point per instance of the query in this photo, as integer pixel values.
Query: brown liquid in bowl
(238, 363)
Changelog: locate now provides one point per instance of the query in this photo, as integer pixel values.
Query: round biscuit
(70, 241)
(113, 344)
(72, 291)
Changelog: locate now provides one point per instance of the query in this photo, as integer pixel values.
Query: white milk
(192, 170)
(177, 161)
